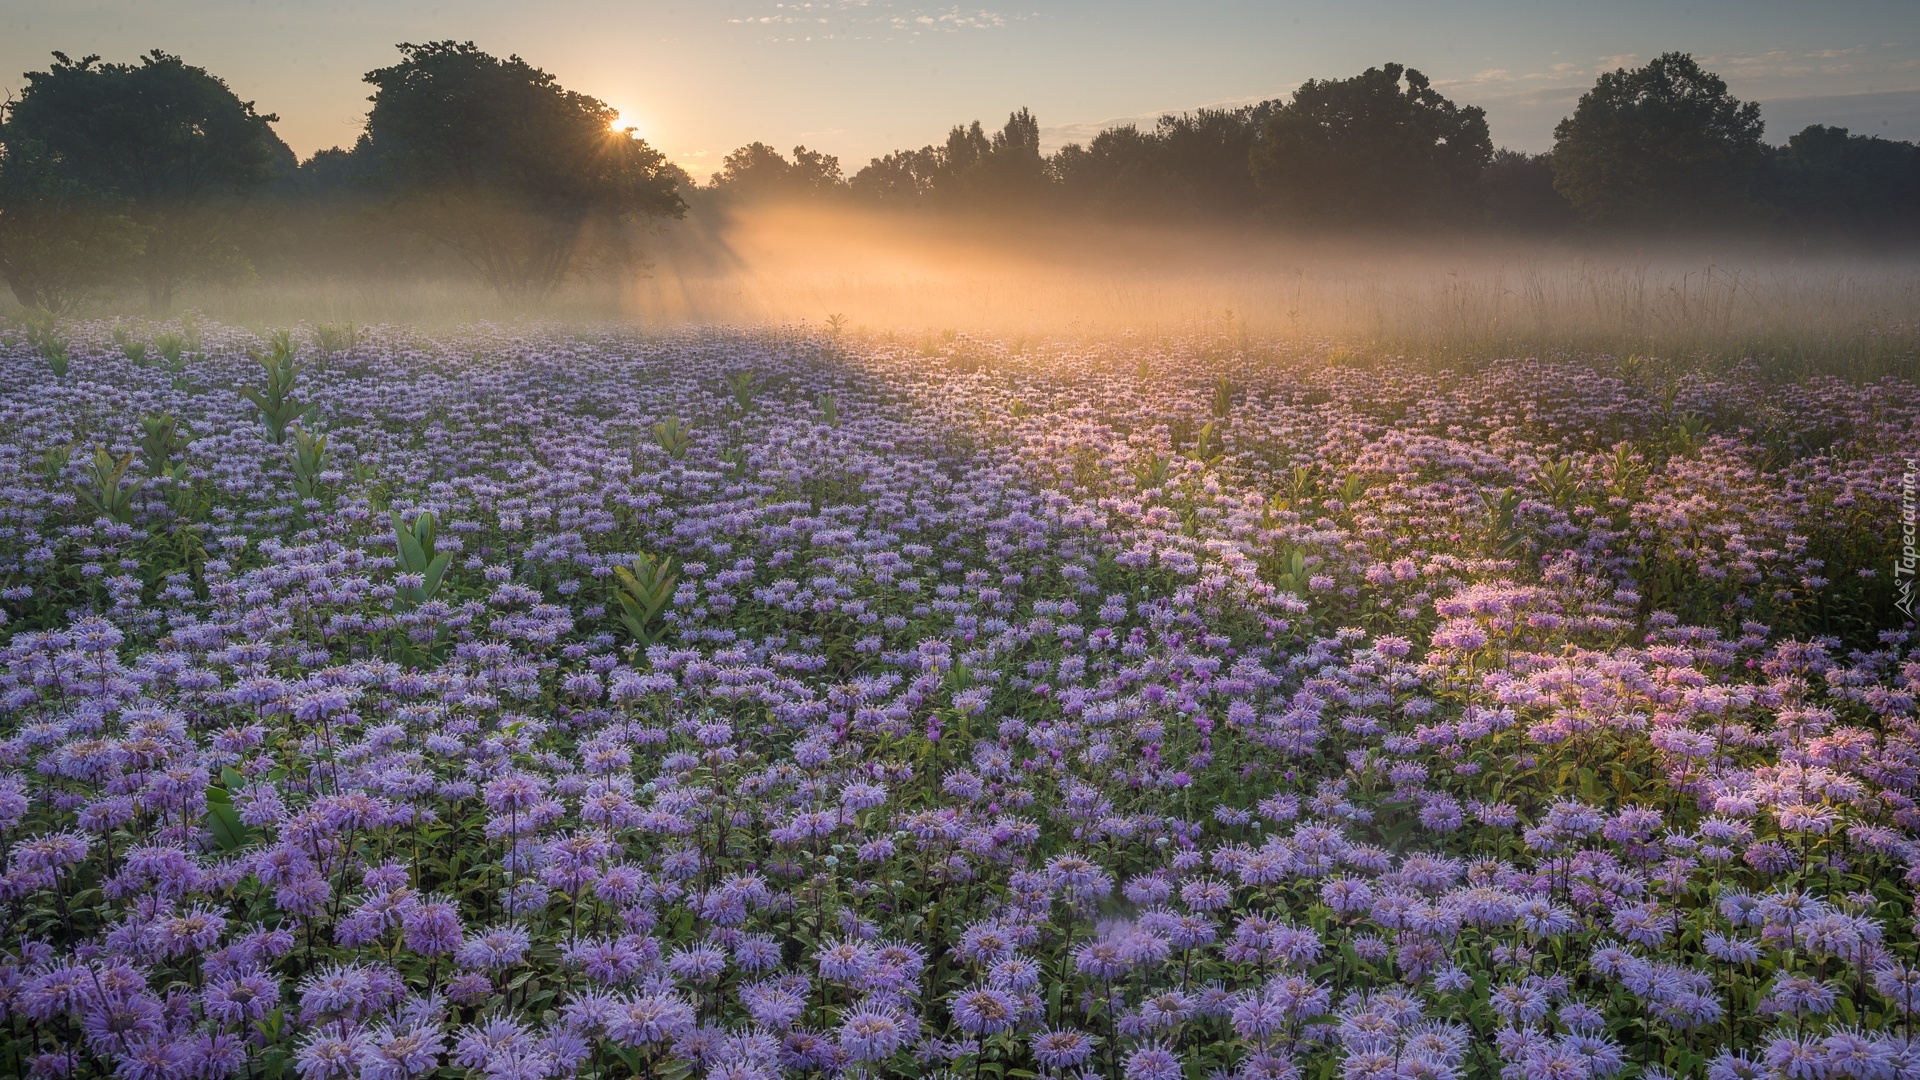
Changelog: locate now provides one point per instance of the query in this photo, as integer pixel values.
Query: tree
(1367, 150)
(759, 171)
(1660, 146)
(1207, 155)
(1187, 164)
(1118, 172)
(58, 242)
(998, 170)
(1520, 193)
(902, 178)
(972, 169)
(526, 181)
(166, 140)
(1828, 178)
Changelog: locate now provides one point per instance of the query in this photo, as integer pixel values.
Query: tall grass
(1856, 316)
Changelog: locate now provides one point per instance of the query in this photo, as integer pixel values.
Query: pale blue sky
(859, 77)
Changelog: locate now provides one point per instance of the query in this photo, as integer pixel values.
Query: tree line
(156, 174)
(1665, 146)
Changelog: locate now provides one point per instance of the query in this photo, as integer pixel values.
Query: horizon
(860, 78)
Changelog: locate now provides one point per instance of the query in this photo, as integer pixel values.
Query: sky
(858, 78)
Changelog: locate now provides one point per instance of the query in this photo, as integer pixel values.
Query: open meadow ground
(538, 703)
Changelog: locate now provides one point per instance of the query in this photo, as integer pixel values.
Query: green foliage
(223, 821)
(1827, 178)
(836, 323)
(1664, 144)
(162, 139)
(333, 339)
(417, 556)
(1208, 446)
(132, 348)
(672, 437)
(1288, 571)
(1559, 482)
(743, 385)
(642, 590)
(1368, 149)
(1353, 487)
(277, 406)
(175, 350)
(1191, 163)
(977, 169)
(185, 500)
(757, 170)
(161, 437)
(1223, 391)
(1302, 482)
(108, 493)
(829, 411)
(309, 461)
(49, 339)
(970, 169)
(1152, 471)
(1685, 434)
(53, 464)
(1520, 194)
(1504, 533)
(59, 241)
(526, 182)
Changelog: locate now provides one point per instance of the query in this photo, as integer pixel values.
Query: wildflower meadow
(529, 703)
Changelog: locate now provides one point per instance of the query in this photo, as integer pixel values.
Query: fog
(905, 273)
(877, 272)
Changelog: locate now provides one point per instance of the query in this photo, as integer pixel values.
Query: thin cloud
(867, 20)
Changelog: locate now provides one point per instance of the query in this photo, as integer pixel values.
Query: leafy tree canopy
(1380, 147)
(525, 179)
(1661, 145)
(1187, 164)
(760, 170)
(1827, 177)
(160, 137)
(972, 168)
(57, 242)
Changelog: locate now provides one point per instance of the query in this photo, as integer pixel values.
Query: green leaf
(413, 559)
(436, 570)
(229, 832)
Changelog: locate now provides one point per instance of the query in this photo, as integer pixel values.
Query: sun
(620, 120)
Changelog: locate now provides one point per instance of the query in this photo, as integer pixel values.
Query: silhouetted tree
(58, 241)
(1662, 145)
(902, 178)
(1118, 172)
(1828, 179)
(759, 171)
(1206, 156)
(166, 141)
(1011, 168)
(1369, 150)
(526, 181)
(332, 218)
(972, 169)
(1188, 164)
(1520, 193)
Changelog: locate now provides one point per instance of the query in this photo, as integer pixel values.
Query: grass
(1852, 315)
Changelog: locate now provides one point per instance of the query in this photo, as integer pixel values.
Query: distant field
(920, 278)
